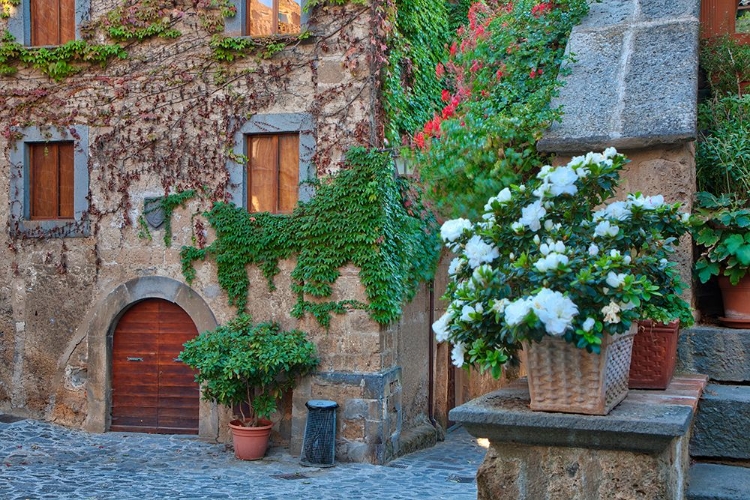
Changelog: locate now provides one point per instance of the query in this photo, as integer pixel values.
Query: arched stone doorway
(102, 323)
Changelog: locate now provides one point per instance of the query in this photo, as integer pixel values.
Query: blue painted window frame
(235, 26)
(301, 123)
(20, 189)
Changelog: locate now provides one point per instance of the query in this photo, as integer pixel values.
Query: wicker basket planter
(566, 379)
(654, 355)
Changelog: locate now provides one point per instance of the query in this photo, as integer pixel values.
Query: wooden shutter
(273, 173)
(717, 17)
(51, 174)
(261, 195)
(52, 22)
(288, 172)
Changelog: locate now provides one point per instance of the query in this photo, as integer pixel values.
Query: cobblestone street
(41, 460)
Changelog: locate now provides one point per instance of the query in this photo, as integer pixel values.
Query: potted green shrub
(722, 229)
(244, 365)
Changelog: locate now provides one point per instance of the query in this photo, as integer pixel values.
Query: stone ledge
(718, 482)
(721, 426)
(633, 83)
(646, 421)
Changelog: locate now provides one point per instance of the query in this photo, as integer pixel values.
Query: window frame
(20, 188)
(237, 27)
(282, 123)
(19, 23)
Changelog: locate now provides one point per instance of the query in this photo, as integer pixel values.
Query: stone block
(722, 423)
(633, 83)
(718, 482)
(721, 353)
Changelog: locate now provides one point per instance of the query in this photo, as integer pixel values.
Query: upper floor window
(272, 172)
(49, 182)
(273, 17)
(266, 18)
(279, 149)
(39, 23)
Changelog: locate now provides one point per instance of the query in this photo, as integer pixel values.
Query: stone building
(90, 291)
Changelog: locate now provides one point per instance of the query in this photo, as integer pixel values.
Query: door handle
(135, 359)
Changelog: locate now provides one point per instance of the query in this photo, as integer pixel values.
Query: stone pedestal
(639, 450)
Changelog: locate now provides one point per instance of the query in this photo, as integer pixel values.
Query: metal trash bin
(319, 443)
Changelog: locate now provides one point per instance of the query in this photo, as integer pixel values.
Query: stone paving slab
(39, 460)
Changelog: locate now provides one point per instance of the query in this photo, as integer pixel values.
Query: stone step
(722, 422)
(718, 482)
(721, 353)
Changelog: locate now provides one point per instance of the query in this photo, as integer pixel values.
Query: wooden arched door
(152, 391)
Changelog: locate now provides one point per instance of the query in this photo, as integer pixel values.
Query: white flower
(499, 306)
(593, 250)
(478, 252)
(554, 310)
(614, 253)
(454, 266)
(588, 324)
(549, 225)
(466, 313)
(440, 327)
(604, 228)
(562, 181)
(551, 261)
(532, 214)
(577, 160)
(457, 355)
(663, 263)
(536, 239)
(684, 217)
(522, 188)
(559, 247)
(619, 210)
(627, 259)
(504, 196)
(452, 229)
(516, 311)
(615, 280)
(544, 172)
(517, 227)
(582, 172)
(610, 152)
(592, 157)
(646, 202)
(610, 312)
(626, 306)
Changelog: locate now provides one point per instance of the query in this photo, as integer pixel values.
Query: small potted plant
(557, 267)
(722, 229)
(244, 365)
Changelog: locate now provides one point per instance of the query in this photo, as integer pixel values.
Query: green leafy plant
(722, 228)
(139, 20)
(242, 363)
(6, 7)
(362, 215)
(726, 63)
(498, 80)
(555, 256)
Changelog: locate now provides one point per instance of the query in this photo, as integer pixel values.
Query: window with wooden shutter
(51, 174)
(273, 173)
(273, 17)
(52, 22)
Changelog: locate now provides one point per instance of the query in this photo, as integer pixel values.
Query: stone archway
(99, 331)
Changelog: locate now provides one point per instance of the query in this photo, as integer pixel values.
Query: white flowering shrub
(553, 257)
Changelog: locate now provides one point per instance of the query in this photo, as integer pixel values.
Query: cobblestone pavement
(40, 460)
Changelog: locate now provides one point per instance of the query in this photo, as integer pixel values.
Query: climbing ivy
(362, 215)
(6, 7)
(141, 19)
(56, 62)
(416, 45)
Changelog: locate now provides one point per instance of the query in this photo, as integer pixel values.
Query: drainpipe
(431, 355)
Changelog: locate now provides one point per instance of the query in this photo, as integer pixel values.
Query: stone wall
(162, 121)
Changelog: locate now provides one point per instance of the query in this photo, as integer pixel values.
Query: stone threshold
(646, 421)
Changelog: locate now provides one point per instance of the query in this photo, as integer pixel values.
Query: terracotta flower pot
(654, 355)
(736, 302)
(250, 443)
(566, 379)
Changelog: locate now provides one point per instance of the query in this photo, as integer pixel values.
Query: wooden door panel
(157, 394)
